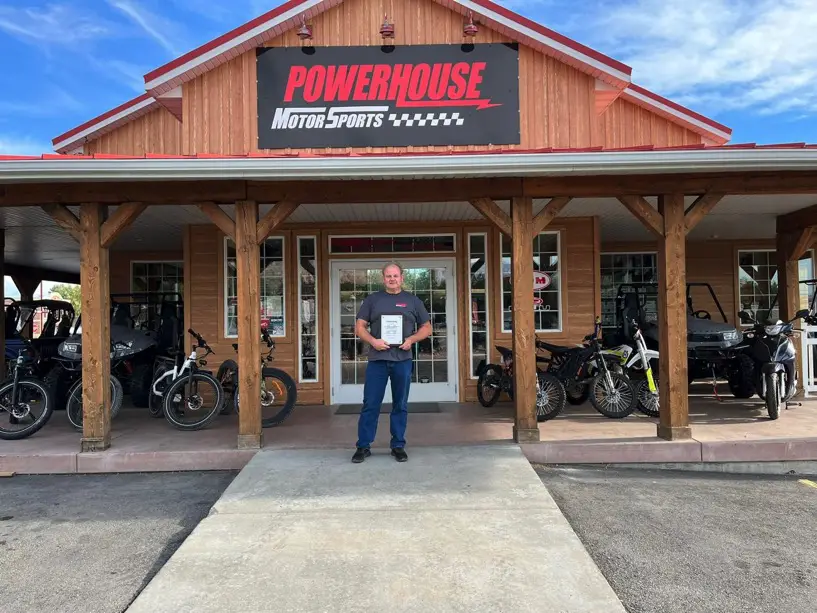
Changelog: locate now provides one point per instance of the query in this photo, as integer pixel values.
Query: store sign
(541, 280)
(405, 95)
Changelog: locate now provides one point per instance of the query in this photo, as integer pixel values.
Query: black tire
(285, 384)
(73, 407)
(156, 403)
(227, 376)
(39, 421)
(140, 381)
(626, 393)
(742, 377)
(550, 396)
(577, 399)
(772, 396)
(177, 388)
(491, 376)
(647, 402)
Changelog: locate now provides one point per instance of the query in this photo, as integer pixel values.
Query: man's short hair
(389, 265)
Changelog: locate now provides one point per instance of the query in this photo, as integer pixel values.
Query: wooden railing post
(526, 428)
(248, 264)
(96, 333)
(672, 321)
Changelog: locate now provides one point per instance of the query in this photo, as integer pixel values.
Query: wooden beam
(672, 321)
(797, 220)
(64, 218)
(187, 259)
(122, 217)
(96, 338)
(26, 284)
(220, 218)
(549, 213)
(490, 210)
(700, 209)
(526, 428)
(248, 265)
(790, 248)
(643, 211)
(274, 218)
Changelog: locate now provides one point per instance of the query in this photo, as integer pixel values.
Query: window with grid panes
(619, 269)
(308, 307)
(546, 300)
(757, 283)
(273, 307)
(155, 277)
(478, 310)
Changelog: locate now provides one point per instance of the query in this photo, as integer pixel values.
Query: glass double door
(435, 358)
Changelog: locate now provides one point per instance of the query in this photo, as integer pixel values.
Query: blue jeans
(378, 374)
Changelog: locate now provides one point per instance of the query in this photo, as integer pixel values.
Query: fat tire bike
(17, 395)
(181, 390)
(73, 405)
(275, 384)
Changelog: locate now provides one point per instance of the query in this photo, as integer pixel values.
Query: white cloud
(719, 55)
(22, 145)
(162, 30)
(54, 24)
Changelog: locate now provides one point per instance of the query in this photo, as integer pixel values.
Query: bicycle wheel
(550, 396)
(192, 402)
(33, 408)
(489, 385)
(73, 407)
(617, 402)
(278, 397)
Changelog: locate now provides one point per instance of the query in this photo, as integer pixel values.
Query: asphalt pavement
(673, 542)
(89, 544)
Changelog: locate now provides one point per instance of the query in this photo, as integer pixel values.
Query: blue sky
(751, 64)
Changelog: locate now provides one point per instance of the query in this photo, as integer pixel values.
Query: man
(390, 358)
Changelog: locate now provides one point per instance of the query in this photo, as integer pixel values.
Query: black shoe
(361, 454)
(399, 454)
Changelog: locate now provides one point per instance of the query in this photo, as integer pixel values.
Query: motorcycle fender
(635, 360)
(773, 367)
(480, 367)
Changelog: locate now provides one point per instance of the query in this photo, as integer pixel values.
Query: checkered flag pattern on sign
(425, 119)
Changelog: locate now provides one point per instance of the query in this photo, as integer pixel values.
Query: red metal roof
(496, 151)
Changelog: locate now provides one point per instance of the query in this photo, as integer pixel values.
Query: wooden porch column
(790, 248)
(96, 332)
(248, 264)
(672, 321)
(526, 428)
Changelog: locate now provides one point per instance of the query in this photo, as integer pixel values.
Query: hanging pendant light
(387, 29)
(304, 32)
(470, 28)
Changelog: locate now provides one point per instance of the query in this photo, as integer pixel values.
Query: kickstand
(715, 386)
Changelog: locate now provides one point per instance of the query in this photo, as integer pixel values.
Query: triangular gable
(613, 78)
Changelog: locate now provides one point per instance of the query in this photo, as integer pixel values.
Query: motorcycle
(640, 362)
(587, 371)
(774, 356)
(493, 379)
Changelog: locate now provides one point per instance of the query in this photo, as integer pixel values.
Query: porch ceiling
(32, 238)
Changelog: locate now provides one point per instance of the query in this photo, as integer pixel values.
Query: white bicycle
(188, 397)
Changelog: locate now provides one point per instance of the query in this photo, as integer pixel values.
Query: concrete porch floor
(729, 431)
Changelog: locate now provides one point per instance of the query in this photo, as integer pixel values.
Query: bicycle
(73, 406)
(281, 384)
(171, 385)
(16, 400)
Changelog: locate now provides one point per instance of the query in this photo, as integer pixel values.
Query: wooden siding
(156, 132)
(557, 102)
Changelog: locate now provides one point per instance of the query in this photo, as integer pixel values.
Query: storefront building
(305, 129)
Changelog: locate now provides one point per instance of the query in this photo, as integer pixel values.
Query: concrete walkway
(465, 529)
